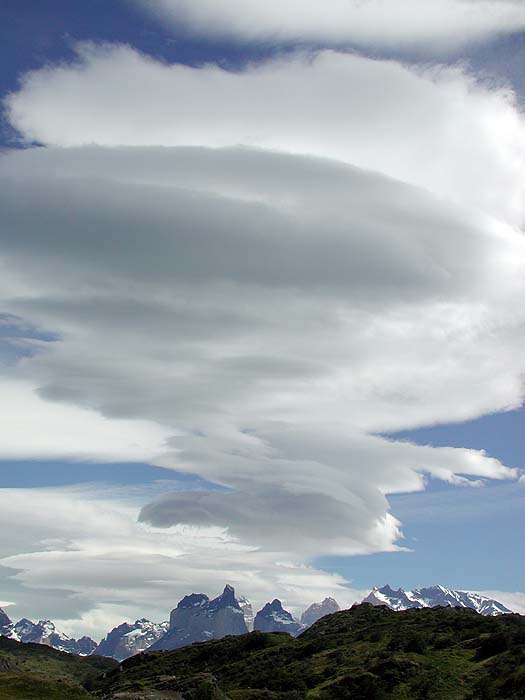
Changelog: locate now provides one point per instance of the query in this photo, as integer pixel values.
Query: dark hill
(365, 653)
(38, 672)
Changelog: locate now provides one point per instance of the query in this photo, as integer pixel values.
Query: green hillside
(37, 672)
(364, 653)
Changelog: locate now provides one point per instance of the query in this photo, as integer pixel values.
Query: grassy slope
(362, 654)
(37, 672)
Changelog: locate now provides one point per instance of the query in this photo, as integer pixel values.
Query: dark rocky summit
(199, 619)
(5, 624)
(274, 618)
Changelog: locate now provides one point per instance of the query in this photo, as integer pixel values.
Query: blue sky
(97, 341)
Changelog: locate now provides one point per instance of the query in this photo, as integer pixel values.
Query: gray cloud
(196, 237)
(379, 115)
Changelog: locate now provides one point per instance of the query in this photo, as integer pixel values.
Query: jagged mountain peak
(194, 600)
(198, 619)
(318, 610)
(45, 632)
(433, 596)
(5, 623)
(129, 639)
(49, 627)
(274, 618)
(225, 600)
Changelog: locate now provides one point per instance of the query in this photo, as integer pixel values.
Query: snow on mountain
(247, 611)
(318, 610)
(198, 619)
(45, 632)
(5, 624)
(129, 639)
(433, 596)
(274, 618)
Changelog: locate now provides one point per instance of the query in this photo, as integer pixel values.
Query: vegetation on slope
(36, 671)
(365, 653)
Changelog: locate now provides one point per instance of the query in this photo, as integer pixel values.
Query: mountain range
(129, 639)
(196, 618)
(44, 632)
(433, 597)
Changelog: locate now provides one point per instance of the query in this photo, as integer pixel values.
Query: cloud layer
(428, 27)
(95, 565)
(434, 128)
(255, 314)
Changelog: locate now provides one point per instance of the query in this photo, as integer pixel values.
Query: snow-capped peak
(129, 639)
(434, 596)
(45, 632)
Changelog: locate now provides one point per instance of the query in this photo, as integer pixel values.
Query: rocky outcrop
(198, 619)
(274, 618)
(129, 639)
(318, 610)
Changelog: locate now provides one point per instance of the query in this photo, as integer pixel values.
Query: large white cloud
(269, 312)
(427, 25)
(80, 556)
(183, 283)
(433, 128)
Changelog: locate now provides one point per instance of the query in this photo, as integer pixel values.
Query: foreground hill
(38, 672)
(365, 653)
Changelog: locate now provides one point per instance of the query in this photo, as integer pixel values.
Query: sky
(262, 302)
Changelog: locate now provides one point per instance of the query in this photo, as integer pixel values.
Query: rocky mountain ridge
(129, 639)
(199, 619)
(5, 624)
(274, 618)
(196, 618)
(44, 632)
(432, 597)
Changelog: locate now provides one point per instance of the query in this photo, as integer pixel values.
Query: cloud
(36, 429)
(410, 24)
(89, 563)
(435, 128)
(513, 601)
(200, 325)
(256, 317)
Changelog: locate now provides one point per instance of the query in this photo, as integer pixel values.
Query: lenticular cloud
(260, 313)
(435, 128)
(217, 264)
